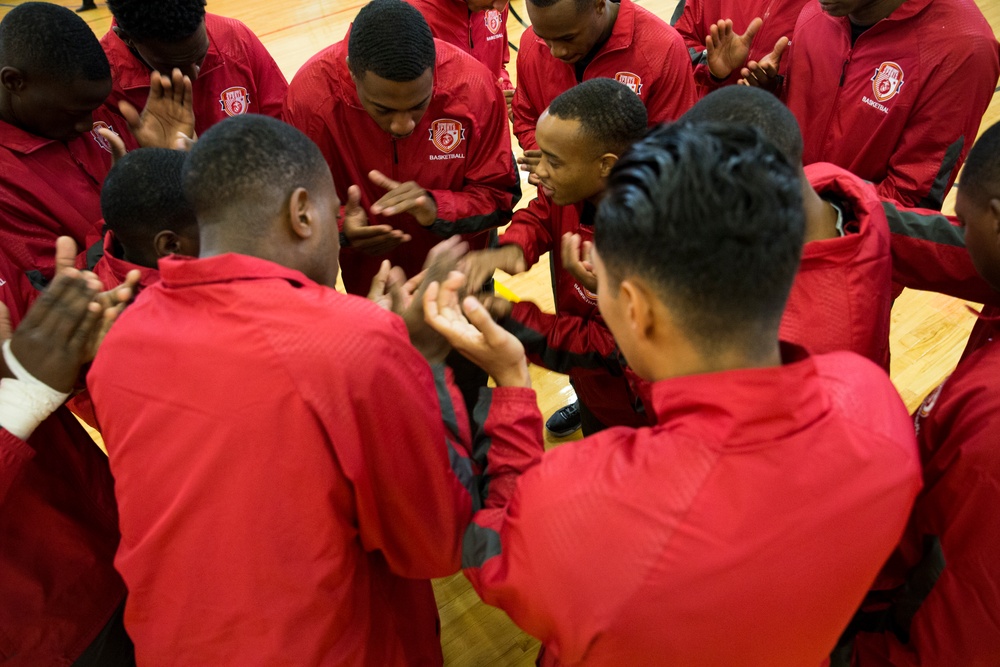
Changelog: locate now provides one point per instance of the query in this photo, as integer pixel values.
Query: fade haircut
(143, 195)
(245, 168)
(756, 108)
(711, 217)
(166, 20)
(42, 38)
(981, 174)
(580, 4)
(390, 39)
(608, 111)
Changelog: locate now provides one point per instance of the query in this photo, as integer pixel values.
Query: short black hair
(166, 20)
(710, 216)
(143, 195)
(392, 40)
(245, 168)
(580, 4)
(40, 37)
(756, 108)
(981, 173)
(608, 111)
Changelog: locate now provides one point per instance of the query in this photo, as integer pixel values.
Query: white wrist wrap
(25, 401)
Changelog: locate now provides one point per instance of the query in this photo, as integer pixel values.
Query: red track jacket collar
(177, 271)
(112, 270)
(753, 395)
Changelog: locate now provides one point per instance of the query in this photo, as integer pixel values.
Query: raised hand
(764, 74)
(471, 330)
(369, 239)
(725, 50)
(508, 96)
(576, 260)
(406, 197)
(55, 337)
(528, 161)
(169, 111)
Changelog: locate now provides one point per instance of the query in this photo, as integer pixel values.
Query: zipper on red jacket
(470, 30)
(395, 159)
(843, 71)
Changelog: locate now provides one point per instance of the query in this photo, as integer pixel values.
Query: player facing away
(280, 518)
(706, 539)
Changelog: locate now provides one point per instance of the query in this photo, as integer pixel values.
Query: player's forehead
(396, 95)
(561, 137)
(561, 21)
(190, 49)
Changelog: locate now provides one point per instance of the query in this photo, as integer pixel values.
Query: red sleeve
(418, 539)
(487, 197)
(14, 455)
(928, 253)
(675, 91)
(270, 82)
(957, 623)
(531, 230)
(690, 24)
(525, 113)
(504, 74)
(562, 343)
(940, 131)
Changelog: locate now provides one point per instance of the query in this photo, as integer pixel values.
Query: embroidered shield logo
(494, 21)
(631, 80)
(235, 101)
(887, 82)
(101, 141)
(447, 134)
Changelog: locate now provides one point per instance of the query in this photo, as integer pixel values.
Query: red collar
(177, 271)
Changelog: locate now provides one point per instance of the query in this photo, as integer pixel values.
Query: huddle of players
(237, 550)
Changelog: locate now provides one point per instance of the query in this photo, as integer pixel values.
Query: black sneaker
(564, 421)
(87, 6)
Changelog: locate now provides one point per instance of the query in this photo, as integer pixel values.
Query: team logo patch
(631, 80)
(447, 134)
(494, 21)
(887, 82)
(235, 101)
(101, 141)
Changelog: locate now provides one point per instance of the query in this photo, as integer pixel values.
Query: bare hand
(577, 261)
(118, 149)
(54, 339)
(472, 331)
(727, 51)
(441, 261)
(498, 306)
(479, 266)
(369, 239)
(391, 290)
(529, 161)
(508, 96)
(764, 74)
(406, 197)
(169, 110)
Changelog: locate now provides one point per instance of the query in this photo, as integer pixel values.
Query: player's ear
(166, 243)
(638, 308)
(608, 161)
(300, 213)
(123, 36)
(12, 79)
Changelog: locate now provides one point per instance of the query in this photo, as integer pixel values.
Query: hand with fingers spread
(406, 197)
(725, 50)
(528, 161)
(470, 329)
(764, 74)
(168, 113)
(576, 260)
(392, 290)
(479, 266)
(369, 239)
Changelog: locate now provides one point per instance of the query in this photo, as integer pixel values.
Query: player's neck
(875, 12)
(821, 216)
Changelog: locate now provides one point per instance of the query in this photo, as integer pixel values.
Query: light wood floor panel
(928, 330)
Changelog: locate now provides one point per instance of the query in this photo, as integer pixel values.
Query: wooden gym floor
(928, 330)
